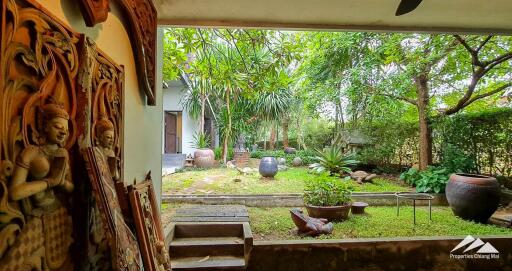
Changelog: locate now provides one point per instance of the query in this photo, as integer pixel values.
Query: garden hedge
(485, 136)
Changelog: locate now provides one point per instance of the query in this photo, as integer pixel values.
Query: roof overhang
(462, 16)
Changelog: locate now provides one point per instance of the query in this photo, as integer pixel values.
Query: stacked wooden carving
(141, 17)
(63, 204)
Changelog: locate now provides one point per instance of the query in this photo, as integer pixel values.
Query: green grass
(276, 224)
(381, 185)
(221, 181)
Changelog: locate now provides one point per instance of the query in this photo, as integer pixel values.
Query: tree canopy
(257, 81)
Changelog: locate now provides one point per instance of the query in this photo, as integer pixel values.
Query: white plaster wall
(172, 99)
(142, 124)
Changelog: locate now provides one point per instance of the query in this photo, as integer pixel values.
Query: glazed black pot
(268, 166)
(331, 213)
(473, 197)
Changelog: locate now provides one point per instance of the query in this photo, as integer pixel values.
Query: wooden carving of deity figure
(41, 178)
(105, 138)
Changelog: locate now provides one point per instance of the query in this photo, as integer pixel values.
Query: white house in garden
(179, 126)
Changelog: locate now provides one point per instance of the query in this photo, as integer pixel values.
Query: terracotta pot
(329, 212)
(204, 158)
(268, 166)
(473, 197)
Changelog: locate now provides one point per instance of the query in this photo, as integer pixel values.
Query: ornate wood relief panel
(39, 64)
(143, 22)
(100, 102)
(59, 93)
(94, 11)
(126, 254)
(100, 99)
(142, 19)
(149, 227)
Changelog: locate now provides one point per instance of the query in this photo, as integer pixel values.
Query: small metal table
(414, 197)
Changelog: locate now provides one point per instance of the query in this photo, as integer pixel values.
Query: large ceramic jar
(204, 158)
(473, 197)
(268, 167)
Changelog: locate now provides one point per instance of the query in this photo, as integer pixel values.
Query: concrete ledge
(419, 253)
(290, 200)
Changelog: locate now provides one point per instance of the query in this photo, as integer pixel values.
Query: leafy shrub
(317, 133)
(393, 143)
(484, 136)
(410, 176)
(307, 156)
(218, 153)
(456, 161)
(323, 190)
(333, 161)
(431, 180)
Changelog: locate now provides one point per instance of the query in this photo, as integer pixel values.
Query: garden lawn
(276, 224)
(230, 181)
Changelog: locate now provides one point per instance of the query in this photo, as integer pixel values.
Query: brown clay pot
(329, 212)
(473, 197)
(204, 158)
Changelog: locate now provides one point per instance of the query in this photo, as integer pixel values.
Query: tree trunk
(336, 117)
(300, 141)
(201, 121)
(227, 133)
(285, 125)
(272, 139)
(425, 139)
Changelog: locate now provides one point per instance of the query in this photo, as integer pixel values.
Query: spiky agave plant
(333, 161)
(201, 141)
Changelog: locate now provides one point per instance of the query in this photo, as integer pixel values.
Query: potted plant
(327, 197)
(203, 156)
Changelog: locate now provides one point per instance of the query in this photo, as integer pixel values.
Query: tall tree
(235, 66)
(426, 69)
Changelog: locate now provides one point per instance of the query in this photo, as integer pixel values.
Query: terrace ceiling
(471, 16)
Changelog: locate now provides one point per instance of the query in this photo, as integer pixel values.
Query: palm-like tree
(272, 106)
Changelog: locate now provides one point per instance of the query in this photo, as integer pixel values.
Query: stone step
(207, 246)
(208, 263)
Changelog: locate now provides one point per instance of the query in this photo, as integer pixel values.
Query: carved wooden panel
(149, 227)
(94, 11)
(100, 103)
(99, 121)
(126, 254)
(38, 69)
(142, 18)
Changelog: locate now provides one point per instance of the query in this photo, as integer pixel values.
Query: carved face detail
(57, 131)
(106, 139)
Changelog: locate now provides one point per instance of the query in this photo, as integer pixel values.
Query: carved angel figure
(105, 138)
(40, 174)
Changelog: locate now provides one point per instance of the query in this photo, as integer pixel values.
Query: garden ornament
(308, 225)
(362, 176)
